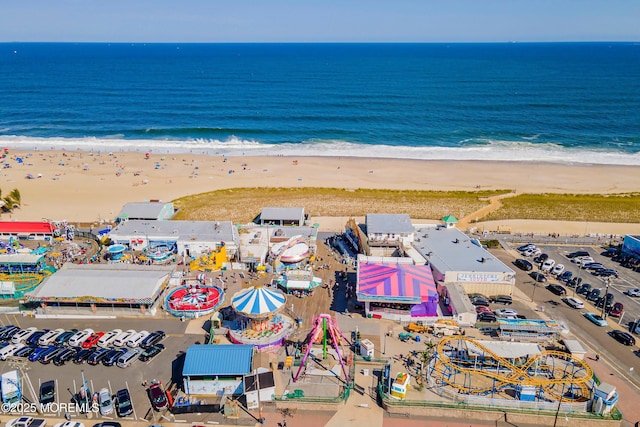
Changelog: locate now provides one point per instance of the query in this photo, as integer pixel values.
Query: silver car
(105, 402)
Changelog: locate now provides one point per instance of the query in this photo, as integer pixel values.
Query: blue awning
(217, 360)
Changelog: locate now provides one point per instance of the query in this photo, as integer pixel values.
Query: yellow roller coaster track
(519, 375)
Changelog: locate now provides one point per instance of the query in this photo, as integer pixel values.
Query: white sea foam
(233, 146)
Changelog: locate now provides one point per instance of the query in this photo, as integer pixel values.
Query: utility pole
(604, 300)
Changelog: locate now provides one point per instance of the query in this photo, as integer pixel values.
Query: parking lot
(165, 367)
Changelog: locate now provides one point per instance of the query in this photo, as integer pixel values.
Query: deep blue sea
(560, 102)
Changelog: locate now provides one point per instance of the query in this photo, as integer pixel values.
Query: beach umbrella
(258, 301)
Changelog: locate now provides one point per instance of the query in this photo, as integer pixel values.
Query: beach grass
(619, 208)
(241, 205)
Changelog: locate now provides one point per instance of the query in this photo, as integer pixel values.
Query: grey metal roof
(286, 214)
(217, 359)
(459, 298)
(388, 224)
(142, 210)
(203, 231)
(449, 249)
(103, 281)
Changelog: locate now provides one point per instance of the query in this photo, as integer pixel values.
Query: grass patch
(621, 208)
(241, 205)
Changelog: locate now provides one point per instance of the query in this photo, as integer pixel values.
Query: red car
(617, 310)
(92, 340)
(158, 397)
(483, 309)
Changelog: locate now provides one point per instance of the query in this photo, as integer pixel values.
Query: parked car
(48, 356)
(606, 272)
(110, 358)
(583, 289)
(97, 356)
(83, 355)
(8, 331)
(478, 299)
(557, 269)
(79, 337)
(502, 299)
(121, 340)
(596, 318)
(577, 254)
(153, 339)
(556, 289)
(538, 277)
(92, 339)
(50, 336)
(137, 338)
(483, 309)
(635, 292)
(24, 351)
(622, 337)
(583, 261)
(47, 392)
(109, 337)
(158, 397)
(523, 264)
(573, 302)
(503, 312)
(10, 350)
(64, 337)
(123, 403)
(606, 301)
(66, 355)
(593, 266)
(611, 252)
(40, 352)
(526, 247)
(548, 264)
(35, 337)
(23, 335)
(541, 258)
(594, 294)
(565, 276)
(151, 352)
(487, 317)
(616, 310)
(104, 400)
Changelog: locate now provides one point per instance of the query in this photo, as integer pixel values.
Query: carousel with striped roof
(258, 319)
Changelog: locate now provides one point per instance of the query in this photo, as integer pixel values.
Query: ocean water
(558, 102)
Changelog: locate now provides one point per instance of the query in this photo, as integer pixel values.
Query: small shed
(216, 369)
(259, 386)
(575, 348)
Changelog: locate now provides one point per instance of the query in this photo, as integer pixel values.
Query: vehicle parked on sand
(596, 318)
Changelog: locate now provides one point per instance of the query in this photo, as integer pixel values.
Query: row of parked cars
(485, 314)
(60, 346)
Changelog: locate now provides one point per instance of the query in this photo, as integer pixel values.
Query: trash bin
(417, 338)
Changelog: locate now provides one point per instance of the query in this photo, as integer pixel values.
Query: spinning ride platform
(193, 301)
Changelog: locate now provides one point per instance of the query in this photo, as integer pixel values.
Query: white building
(386, 231)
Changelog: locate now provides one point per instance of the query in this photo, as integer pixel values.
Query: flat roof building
(26, 230)
(456, 258)
(216, 369)
(191, 238)
(151, 210)
(388, 231)
(281, 216)
(95, 287)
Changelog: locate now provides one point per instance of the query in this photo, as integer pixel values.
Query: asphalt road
(69, 376)
(594, 338)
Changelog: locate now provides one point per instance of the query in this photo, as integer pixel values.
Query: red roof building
(14, 228)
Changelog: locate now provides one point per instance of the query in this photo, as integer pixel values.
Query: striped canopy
(396, 282)
(257, 301)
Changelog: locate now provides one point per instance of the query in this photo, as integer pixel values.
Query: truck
(10, 388)
(446, 327)
(26, 422)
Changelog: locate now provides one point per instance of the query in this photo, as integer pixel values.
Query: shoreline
(83, 186)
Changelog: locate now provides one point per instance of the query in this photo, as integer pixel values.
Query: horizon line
(327, 42)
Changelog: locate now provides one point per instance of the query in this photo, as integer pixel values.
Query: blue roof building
(216, 369)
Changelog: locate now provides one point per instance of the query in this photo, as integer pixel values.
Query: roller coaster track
(577, 379)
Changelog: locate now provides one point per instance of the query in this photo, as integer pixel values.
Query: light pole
(604, 300)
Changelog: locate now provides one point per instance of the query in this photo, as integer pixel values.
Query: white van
(79, 337)
(122, 339)
(128, 358)
(10, 350)
(107, 338)
(136, 339)
(48, 338)
(23, 335)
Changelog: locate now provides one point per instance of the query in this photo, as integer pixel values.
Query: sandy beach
(90, 187)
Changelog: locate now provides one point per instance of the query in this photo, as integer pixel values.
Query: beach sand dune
(89, 187)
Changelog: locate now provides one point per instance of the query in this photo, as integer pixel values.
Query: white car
(79, 337)
(48, 338)
(69, 424)
(10, 350)
(583, 260)
(557, 269)
(108, 338)
(548, 265)
(121, 340)
(574, 302)
(633, 292)
(137, 338)
(23, 334)
(505, 312)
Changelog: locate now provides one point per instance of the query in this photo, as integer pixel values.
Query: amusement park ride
(325, 331)
(467, 366)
